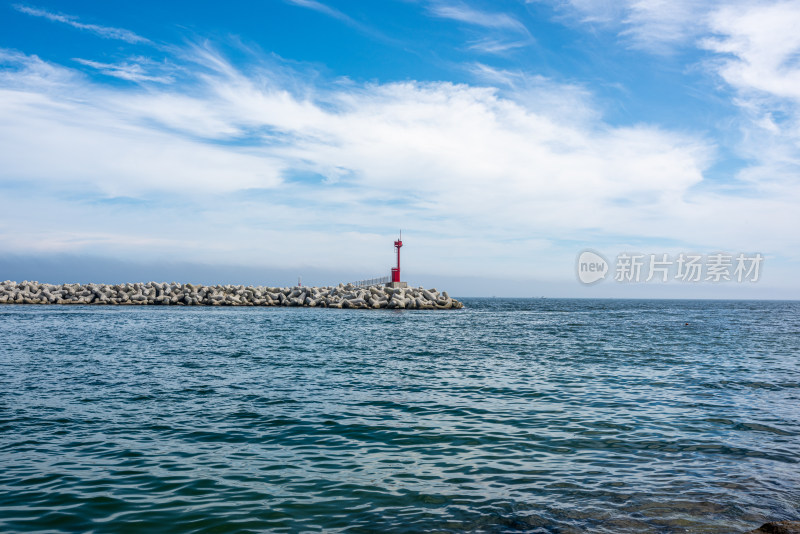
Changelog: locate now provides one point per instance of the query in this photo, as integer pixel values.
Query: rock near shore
(777, 527)
(165, 294)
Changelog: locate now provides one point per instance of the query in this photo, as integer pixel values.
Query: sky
(262, 141)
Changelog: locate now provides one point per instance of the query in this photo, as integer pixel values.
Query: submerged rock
(778, 527)
(174, 294)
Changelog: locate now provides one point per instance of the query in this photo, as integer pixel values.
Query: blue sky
(293, 136)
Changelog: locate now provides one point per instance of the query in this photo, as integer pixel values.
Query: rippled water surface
(510, 415)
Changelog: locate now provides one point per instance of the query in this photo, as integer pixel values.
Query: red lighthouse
(396, 270)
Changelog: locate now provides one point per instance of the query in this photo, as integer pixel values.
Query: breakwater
(175, 294)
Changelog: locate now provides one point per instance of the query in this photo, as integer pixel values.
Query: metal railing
(372, 281)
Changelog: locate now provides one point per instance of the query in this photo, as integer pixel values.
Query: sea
(510, 415)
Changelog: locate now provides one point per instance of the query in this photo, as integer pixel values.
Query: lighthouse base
(396, 284)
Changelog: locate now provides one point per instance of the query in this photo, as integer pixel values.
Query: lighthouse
(396, 270)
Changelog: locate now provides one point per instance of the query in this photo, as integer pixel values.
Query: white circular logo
(592, 267)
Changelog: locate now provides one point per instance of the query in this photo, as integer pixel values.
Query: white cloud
(654, 25)
(658, 25)
(58, 127)
(490, 45)
(571, 103)
(325, 9)
(25, 72)
(492, 32)
(504, 170)
(133, 72)
(322, 8)
(763, 47)
(463, 13)
(758, 49)
(105, 32)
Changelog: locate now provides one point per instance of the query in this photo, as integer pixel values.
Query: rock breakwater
(165, 294)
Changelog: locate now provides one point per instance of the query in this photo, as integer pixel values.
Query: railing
(372, 281)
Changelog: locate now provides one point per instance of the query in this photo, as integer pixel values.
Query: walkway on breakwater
(174, 294)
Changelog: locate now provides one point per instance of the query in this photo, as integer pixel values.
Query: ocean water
(510, 415)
